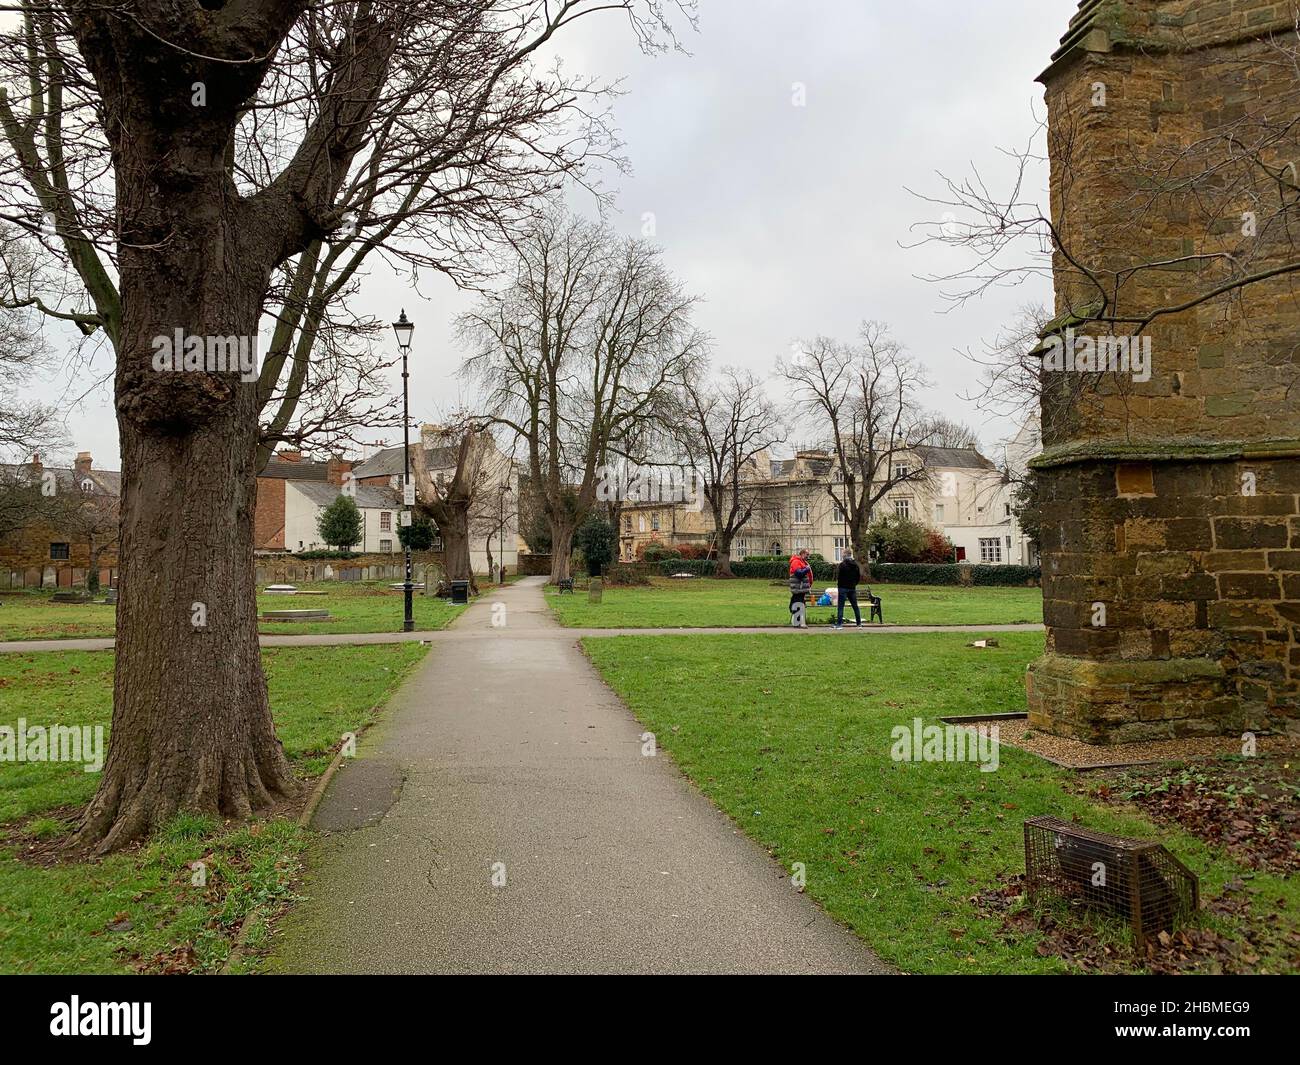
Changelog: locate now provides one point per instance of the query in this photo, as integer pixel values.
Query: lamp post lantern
(403, 328)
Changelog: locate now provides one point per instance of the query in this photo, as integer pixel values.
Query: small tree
(898, 540)
(418, 536)
(598, 543)
(339, 524)
(1027, 507)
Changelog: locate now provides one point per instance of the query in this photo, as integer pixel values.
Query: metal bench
(565, 585)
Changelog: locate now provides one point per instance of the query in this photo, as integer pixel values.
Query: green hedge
(1006, 575)
(915, 573)
(881, 573)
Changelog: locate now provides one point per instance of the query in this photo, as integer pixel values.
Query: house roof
(295, 471)
(106, 482)
(390, 462)
(366, 496)
(962, 458)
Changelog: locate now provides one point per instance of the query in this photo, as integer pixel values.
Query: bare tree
(577, 356)
(25, 426)
(184, 160)
(451, 502)
(865, 394)
(729, 422)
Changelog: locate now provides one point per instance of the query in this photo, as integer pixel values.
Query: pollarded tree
(578, 356)
(189, 161)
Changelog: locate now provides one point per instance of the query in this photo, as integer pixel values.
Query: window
(801, 512)
(59, 551)
(901, 470)
(87, 486)
(742, 548)
(1008, 506)
(938, 513)
(990, 549)
(902, 508)
(841, 542)
(776, 547)
(385, 521)
(840, 517)
(385, 545)
(654, 521)
(640, 522)
(800, 543)
(627, 524)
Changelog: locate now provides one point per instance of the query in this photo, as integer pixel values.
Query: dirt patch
(1249, 807)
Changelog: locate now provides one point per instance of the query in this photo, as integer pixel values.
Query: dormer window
(87, 486)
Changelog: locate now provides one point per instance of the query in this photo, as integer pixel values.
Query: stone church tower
(1170, 524)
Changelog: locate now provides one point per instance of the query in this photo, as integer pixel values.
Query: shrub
(597, 541)
(657, 552)
(1006, 575)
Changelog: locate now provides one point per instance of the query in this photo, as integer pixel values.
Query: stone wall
(1171, 530)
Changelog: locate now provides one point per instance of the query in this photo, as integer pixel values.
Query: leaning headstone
(594, 589)
(329, 572)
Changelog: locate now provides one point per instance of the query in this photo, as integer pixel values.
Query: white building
(304, 501)
(495, 512)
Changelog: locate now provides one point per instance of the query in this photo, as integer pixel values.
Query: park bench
(566, 585)
(866, 601)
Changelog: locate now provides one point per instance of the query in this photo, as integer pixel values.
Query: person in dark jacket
(847, 575)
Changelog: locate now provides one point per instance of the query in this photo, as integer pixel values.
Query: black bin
(460, 591)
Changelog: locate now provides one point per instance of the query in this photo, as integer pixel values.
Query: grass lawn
(705, 602)
(139, 908)
(356, 607)
(794, 744)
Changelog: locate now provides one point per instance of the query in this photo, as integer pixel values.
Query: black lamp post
(501, 530)
(403, 329)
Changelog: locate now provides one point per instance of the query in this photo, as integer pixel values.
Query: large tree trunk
(561, 549)
(724, 558)
(455, 542)
(192, 727)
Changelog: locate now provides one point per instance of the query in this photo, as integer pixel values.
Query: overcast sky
(786, 219)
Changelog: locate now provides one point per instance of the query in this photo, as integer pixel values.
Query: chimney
(289, 456)
(36, 463)
(336, 468)
(82, 465)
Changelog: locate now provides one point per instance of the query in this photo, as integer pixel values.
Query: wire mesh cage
(1133, 879)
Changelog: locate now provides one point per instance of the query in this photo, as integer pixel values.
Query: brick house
(55, 546)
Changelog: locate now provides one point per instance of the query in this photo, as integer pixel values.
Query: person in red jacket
(801, 577)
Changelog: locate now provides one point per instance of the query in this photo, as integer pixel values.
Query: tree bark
(192, 725)
(455, 543)
(724, 560)
(561, 549)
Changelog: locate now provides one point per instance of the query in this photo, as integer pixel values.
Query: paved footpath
(458, 633)
(506, 747)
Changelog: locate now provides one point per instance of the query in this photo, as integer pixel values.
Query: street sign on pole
(408, 494)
